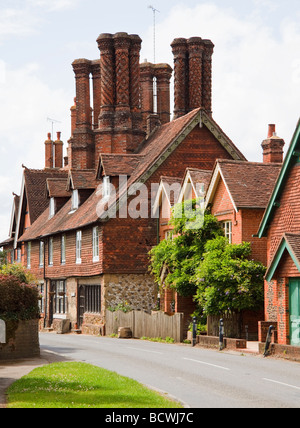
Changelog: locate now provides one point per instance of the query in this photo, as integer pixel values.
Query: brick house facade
(85, 258)
(280, 226)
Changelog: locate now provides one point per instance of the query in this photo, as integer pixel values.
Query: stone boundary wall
(22, 340)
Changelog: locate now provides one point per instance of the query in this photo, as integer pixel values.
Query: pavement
(10, 371)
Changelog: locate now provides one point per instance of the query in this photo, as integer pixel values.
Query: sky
(256, 68)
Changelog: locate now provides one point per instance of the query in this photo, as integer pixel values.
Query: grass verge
(81, 385)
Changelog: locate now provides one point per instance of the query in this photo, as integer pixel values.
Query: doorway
(294, 287)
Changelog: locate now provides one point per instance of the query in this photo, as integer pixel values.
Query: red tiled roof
(139, 167)
(200, 176)
(115, 164)
(57, 188)
(250, 183)
(35, 185)
(82, 179)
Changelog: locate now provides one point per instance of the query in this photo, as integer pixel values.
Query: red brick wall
(286, 219)
(287, 216)
(127, 241)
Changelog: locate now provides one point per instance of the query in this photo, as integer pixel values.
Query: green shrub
(18, 300)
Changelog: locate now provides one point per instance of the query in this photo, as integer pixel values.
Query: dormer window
(75, 200)
(52, 207)
(106, 187)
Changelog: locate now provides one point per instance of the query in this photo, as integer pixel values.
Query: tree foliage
(228, 280)
(178, 258)
(200, 262)
(18, 294)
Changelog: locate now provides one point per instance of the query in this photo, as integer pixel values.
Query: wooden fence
(158, 324)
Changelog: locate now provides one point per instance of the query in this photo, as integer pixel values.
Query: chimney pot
(272, 130)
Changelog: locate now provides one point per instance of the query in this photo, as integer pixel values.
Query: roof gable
(291, 158)
(290, 243)
(249, 184)
(195, 177)
(168, 186)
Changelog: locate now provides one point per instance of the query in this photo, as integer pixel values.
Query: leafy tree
(178, 258)
(18, 294)
(227, 280)
(3, 257)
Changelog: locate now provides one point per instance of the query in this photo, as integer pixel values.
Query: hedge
(18, 300)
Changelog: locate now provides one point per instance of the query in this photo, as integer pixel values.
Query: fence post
(269, 339)
(2, 332)
(221, 335)
(194, 331)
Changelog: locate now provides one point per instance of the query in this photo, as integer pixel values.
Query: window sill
(96, 260)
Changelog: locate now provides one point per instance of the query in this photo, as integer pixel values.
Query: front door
(81, 305)
(295, 312)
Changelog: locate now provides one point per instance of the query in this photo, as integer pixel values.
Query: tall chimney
(58, 152)
(207, 76)
(163, 74)
(96, 76)
(195, 51)
(179, 48)
(273, 146)
(193, 75)
(82, 70)
(49, 152)
(120, 121)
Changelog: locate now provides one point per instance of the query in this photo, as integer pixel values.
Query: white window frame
(75, 200)
(41, 253)
(96, 244)
(50, 252)
(19, 255)
(28, 255)
(78, 246)
(63, 250)
(52, 208)
(227, 226)
(106, 187)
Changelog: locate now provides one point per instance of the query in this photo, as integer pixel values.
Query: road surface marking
(207, 364)
(145, 350)
(281, 383)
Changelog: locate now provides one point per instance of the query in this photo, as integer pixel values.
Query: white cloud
(25, 103)
(16, 22)
(55, 5)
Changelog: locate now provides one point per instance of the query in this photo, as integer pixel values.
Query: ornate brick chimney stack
(162, 73)
(120, 119)
(49, 163)
(193, 75)
(273, 146)
(81, 145)
(58, 152)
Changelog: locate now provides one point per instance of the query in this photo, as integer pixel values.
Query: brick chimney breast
(82, 70)
(273, 147)
(207, 76)
(179, 49)
(106, 47)
(192, 75)
(58, 151)
(195, 52)
(49, 152)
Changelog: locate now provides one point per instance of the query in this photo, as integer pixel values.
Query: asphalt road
(198, 377)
